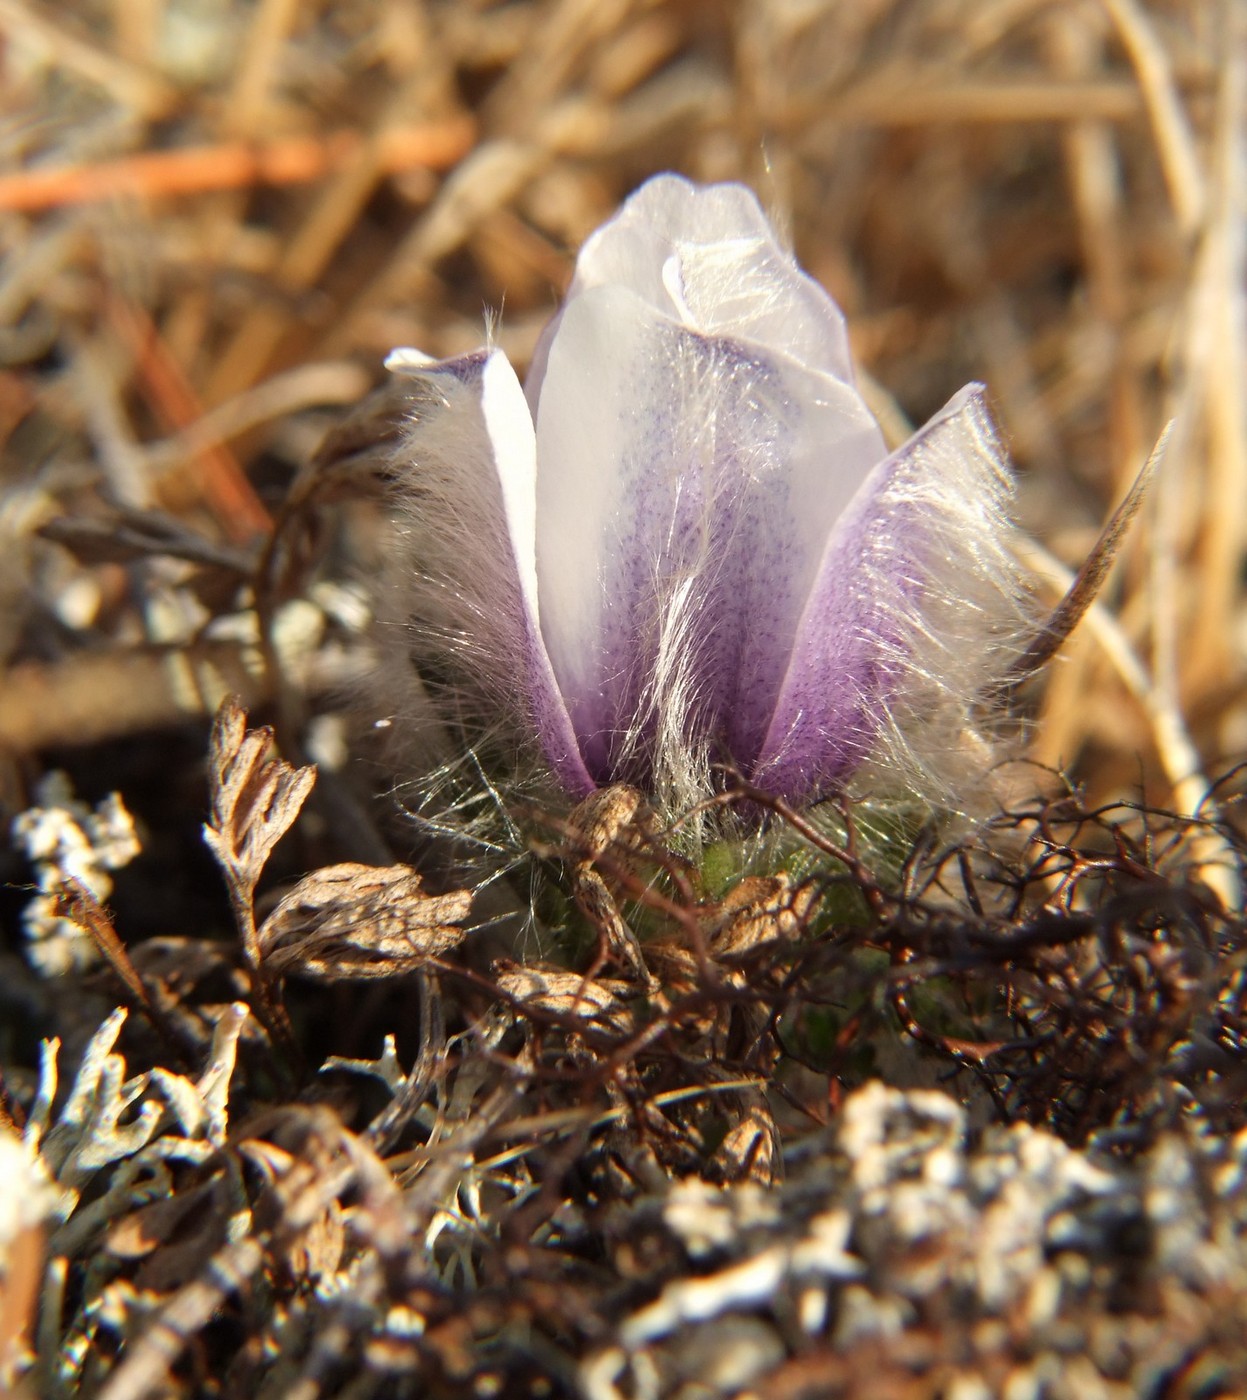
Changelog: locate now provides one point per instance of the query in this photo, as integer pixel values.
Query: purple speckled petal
(485, 445)
(687, 485)
(707, 257)
(921, 524)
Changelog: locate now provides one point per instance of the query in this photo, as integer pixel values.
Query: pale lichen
(69, 843)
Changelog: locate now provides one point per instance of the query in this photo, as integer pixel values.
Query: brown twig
(76, 902)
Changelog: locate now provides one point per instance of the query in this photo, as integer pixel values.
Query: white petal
(686, 487)
(404, 359)
(472, 488)
(707, 257)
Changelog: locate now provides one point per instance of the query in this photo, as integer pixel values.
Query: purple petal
(707, 257)
(902, 615)
(687, 487)
(474, 473)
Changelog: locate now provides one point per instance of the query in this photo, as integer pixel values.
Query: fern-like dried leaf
(255, 799)
(603, 1002)
(356, 921)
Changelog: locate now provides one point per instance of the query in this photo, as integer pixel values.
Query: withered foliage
(352, 920)
(255, 799)
(895, 1118)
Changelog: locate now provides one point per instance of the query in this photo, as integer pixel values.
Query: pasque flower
(684, 540)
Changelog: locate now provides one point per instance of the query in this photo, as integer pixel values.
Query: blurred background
(217, 218)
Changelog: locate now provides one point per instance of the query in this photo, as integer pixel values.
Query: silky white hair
(954, 618)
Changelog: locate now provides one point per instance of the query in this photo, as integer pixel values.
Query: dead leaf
(174, 1238)
(355, 921)
(136, 1235)
(751, 1149)
(602, 1001)
(614, 818)
(317, 1252)
(255, 799)
(757, 910)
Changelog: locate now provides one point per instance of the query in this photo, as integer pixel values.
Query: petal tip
(403, 359)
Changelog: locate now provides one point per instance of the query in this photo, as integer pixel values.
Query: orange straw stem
(233, 165)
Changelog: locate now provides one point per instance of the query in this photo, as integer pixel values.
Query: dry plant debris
(715, 1173)
(913, 1115)
(348, 921)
